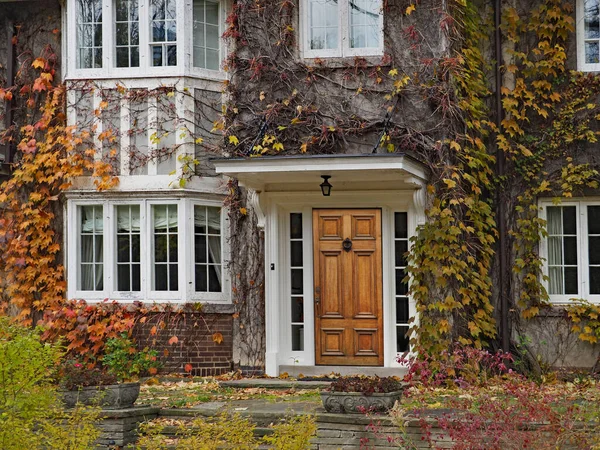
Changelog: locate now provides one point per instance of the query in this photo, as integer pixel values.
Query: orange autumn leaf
(217, 337)
(174, 340)
(188, 367)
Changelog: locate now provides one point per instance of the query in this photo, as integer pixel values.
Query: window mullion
(344, 27)
(107, 35)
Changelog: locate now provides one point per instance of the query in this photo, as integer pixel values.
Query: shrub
(74, 374)
(125, 362)
(31, 413)
(366, 385)
(460, 366)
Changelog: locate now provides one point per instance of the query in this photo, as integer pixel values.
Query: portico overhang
(364, 172)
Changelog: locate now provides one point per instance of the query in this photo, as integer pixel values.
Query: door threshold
(316, 371)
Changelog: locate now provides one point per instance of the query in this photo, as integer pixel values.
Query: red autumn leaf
(152, 370)
(188, 367)
(174, 340)
(217, 337)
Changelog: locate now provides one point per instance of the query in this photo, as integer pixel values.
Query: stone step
(274, 383)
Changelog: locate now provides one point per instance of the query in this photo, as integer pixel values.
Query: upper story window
(342, 28)
(145, 37)
(572, 250)
(588, 35)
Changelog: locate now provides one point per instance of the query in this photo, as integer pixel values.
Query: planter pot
(357, 402)
(121, 395)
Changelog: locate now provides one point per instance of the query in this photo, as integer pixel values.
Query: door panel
(331, 304)
(348, 287)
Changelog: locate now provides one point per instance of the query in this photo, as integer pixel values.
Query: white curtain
(209, 218)
(555, 250)
(165, 216)
(92, 248)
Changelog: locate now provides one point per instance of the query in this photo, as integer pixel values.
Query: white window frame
(343, 50)
(582, 249)
(580, 38)
(222, 296)
(185, 255)
(145, 70)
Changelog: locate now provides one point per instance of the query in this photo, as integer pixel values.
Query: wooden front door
(348, 287)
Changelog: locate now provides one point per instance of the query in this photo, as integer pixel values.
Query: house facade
(272, 165)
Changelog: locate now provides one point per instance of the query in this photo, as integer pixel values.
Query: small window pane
(571, 281)
(556, 284)
(592, 51)
(296, 253)
(569, 220)
(594, 280)
(200, 249)
(297, 309)
(201, 279)
(570, 249)
(214, 220)
(323, 24)
(594, 250)
(297, 282)
(401, 287)
(554, 225)
(297, 338)
(214, 278)
(402, 314)
(401, 247)
(400, 225)
(402, 341)
(173, 277)
(592, 25)
(123, 283)
(296, 226)
(593, 217)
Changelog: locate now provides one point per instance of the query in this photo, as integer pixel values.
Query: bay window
(147, 250)
(144, 37)
(340, 28)
(571, 249)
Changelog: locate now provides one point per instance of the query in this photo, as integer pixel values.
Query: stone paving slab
(274, 383)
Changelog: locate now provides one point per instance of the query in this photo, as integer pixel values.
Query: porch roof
(364, 172)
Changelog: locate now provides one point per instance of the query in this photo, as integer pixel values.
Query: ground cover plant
(226, 431)
(187, 392)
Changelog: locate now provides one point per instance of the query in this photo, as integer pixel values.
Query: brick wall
(195, 345)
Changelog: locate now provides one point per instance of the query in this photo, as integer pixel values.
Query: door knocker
(347, 244)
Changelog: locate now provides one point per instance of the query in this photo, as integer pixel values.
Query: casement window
(571, 250)
(144, 37)
(588, 35)
(150, 250)
(340, 28)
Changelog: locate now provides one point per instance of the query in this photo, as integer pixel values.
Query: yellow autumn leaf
(38, 63)
(393, 72)
(234, 140)
(450, 183)
(199, 140)
(410, 9)
(262, 95)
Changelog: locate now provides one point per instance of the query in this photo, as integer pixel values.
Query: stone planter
(357, 402)
(121, 395)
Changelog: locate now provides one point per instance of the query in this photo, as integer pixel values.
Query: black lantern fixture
(326, 185)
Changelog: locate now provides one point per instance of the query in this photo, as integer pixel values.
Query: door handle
(317, 297)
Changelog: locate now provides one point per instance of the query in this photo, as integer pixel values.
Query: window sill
(123, 76)
(343, 62)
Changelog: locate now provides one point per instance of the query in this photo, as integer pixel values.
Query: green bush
(31, 414)
(125, 362)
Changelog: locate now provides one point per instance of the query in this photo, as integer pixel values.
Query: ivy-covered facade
(306, 186)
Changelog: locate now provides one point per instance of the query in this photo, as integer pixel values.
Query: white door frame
(277, 207)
